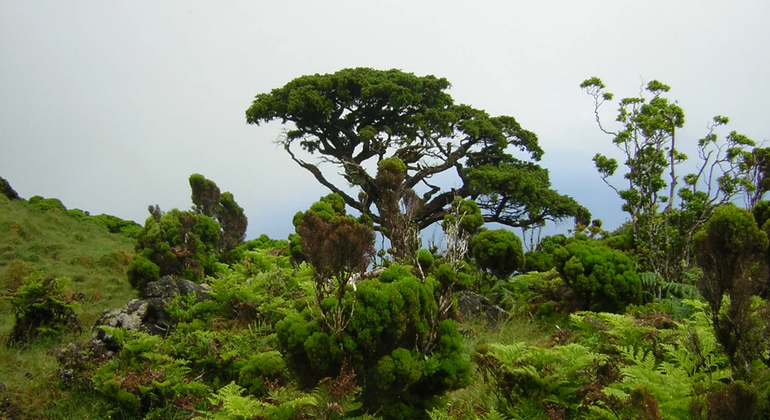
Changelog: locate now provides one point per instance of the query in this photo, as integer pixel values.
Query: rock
(471, 305)
(130, 317)
(202, 291)
(164, 288)
(148, 315)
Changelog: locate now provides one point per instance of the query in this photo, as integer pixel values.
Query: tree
(222, 207)
(729, 250)
(410, 126)
(664, 219)
(205, 195)
(338, 247)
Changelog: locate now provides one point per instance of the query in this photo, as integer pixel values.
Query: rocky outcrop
(149, 315)
(472, 305)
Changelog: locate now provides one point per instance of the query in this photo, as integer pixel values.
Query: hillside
(56, 244)
(324, 326)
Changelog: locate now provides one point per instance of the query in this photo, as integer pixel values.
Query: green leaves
(606, 166)
(604, 278)
(41, 309)
(410, 126)
(499, 251)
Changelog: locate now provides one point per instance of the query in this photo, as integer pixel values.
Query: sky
(111, 105)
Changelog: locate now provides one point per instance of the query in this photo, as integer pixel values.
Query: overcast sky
(111, 105)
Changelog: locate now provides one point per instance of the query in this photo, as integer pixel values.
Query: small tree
(729, 250)
(664, 217)
(222, 207)
(337, 248)
(233, 223)
(205, 195)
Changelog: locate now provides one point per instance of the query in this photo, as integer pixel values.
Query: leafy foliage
(498, 251)
(604, 278)
(359, 116)
(220, 206)
(390, 343)
(42, 310)
(664, 219)
(179, 243)
(728, 250)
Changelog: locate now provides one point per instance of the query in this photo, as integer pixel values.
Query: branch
(313, 169)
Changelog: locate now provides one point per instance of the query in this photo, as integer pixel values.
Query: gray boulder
(149, 315)
(472, 305)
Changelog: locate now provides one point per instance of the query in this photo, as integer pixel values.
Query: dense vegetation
(355, 316)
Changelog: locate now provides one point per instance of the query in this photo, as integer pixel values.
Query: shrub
(425, 260)
(498, 251)
(263, 242)
(179, 243)
(259, 368)
(604, 278)
(115, 224)
(538, 261)
(142, 271)
(47, 203)
(42, 310)
(403, 361)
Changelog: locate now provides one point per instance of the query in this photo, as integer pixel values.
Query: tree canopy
(360, 116)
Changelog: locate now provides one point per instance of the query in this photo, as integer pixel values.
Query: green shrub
(115, 224)
(263, 242)
(77, 214)
(498, 251)
(47, 203)
(605, 279)
(403, 360)
(142, 271)
(728, 251)
(425, 259)
(538, 261)
(42, 310)
(179, 243)
(469, 215)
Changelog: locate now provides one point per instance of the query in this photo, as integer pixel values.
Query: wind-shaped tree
(413, 130)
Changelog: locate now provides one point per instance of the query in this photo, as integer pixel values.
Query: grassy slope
(55, 244)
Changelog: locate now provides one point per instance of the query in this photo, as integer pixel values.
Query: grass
(51, 242)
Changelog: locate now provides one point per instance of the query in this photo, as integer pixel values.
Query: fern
(235, 406)
(527, 376)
